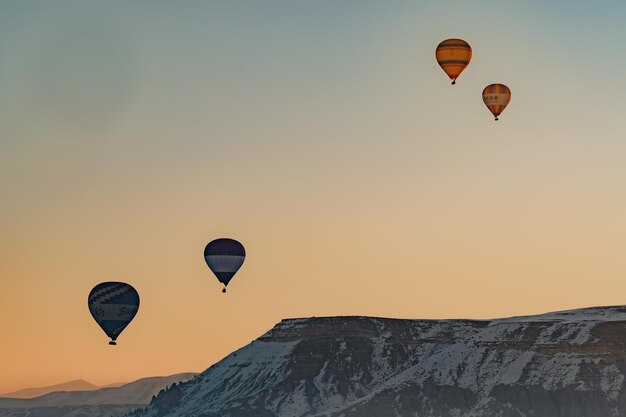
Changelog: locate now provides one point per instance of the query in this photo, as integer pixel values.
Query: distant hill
(76, 385)
(100, 402)
(114, 385)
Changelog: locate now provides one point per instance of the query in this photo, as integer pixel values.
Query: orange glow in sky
(326, 139)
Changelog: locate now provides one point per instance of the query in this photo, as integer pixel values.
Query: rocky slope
(563, 364)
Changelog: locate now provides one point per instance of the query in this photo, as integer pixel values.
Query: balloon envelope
(453, 55)
(224, 256)
(113, 306)
(496, 98)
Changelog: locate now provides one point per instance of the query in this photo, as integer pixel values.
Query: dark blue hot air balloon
(224, 256)
(113, 305)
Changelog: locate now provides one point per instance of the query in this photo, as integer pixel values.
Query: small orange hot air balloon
(453, 55)
(496, 98)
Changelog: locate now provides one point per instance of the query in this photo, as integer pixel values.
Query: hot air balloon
(224, 256)
(113, 305)
(496, 98)
(453, 55)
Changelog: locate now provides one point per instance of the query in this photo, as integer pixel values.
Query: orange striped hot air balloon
(496, 98)
(453, 55)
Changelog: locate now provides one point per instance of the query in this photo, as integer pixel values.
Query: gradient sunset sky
(321, 134)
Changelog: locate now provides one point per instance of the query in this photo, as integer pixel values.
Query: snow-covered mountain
(113, 401)
(563, 364)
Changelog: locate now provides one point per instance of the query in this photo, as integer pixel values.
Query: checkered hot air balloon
(224, 256)
(113, 306)
(496, 98)
(453, 55)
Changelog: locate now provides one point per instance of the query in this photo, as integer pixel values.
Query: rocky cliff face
(564, 364)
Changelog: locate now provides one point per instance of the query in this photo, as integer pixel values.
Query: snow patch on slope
(611, 381)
